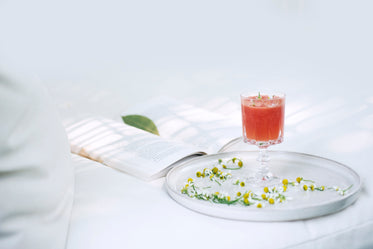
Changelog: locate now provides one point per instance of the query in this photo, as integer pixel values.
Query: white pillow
(36, 176)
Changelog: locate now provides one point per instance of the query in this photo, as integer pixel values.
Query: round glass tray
(298, 204)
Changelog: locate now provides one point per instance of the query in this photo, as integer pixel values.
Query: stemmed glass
(263, 125)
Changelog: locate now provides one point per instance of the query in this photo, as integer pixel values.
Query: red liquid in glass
(263, 118)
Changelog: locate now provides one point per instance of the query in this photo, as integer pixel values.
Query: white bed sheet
(115, 210)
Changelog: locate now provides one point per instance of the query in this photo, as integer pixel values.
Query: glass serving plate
(299, 204)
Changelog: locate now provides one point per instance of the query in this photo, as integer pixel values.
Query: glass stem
(263, 171)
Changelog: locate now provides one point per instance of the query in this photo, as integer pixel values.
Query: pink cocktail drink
(263, 125)
(263, 119)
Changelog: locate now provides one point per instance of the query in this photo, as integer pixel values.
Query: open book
(185, 131)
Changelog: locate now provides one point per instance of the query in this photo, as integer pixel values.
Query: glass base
(263, 144)
(268, 180)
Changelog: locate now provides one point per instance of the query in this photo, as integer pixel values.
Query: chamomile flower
(240, 164)
(233, 164)
(285, 182)
(215, 170)
(299, 179)
(284, 188)
(312, 187)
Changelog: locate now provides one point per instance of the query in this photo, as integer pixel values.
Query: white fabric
(115, 210)
(36, 177)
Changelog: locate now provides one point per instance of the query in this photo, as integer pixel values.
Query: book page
(126, 148)
(192, 125)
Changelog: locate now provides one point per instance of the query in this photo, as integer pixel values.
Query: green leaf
(141, 122)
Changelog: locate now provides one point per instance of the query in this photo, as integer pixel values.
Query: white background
(186, 48)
